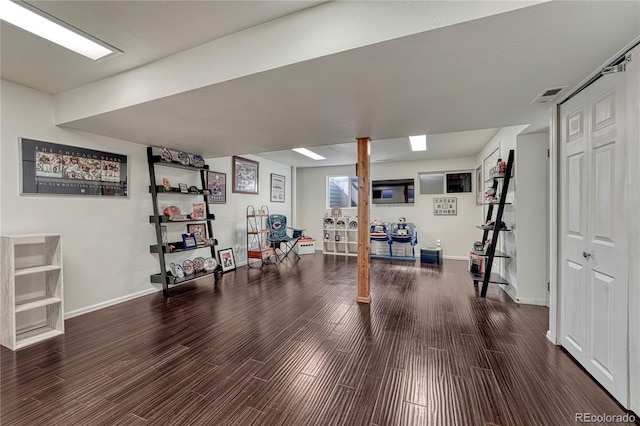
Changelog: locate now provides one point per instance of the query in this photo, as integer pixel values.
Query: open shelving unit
(48, 270)
(340, 236)
(165, 277)
(487, 276)
(259, 250)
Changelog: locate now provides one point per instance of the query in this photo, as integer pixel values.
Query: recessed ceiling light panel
(37, 22)
(418, 143)
(310, 154)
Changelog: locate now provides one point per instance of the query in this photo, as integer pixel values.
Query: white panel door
(593, 229)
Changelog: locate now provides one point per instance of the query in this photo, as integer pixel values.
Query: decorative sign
(245, 175)
(50, 168)
(445, 206)
(277, 188)
(217, 185)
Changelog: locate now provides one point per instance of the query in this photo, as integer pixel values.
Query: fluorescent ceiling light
(310, 154)
(39, 23)
(418, 143)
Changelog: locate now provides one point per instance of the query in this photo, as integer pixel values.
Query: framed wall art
(479, 185)
(227, 259)
(445, 206)
(245, 175)
(277, 188)
(51, 168)
(217, 186)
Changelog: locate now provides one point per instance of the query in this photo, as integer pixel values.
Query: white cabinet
(31, 284)
(340, 236)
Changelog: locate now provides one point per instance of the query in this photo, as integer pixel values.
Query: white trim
(554, 219)
(455, 258)
(511, 292)
(111, 302)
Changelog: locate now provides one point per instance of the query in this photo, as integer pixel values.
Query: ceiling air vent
(548, 94)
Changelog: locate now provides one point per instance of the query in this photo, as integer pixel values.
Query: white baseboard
(550, 338)
(511, 291)
(111, 302)
(455, 257)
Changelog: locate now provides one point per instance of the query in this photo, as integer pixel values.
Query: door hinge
(548, 153)
(548, 286)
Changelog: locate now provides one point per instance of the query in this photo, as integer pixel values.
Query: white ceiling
(480, 74)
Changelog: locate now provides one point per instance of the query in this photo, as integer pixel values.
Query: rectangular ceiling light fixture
(310, 154)
(35, 21)
(418, 143)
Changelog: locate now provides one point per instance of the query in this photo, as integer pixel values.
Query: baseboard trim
(455, 258)
(111, 302)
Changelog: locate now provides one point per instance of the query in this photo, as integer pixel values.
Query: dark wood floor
(290, 346)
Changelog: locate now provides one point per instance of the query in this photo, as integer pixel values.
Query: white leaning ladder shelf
(37, 259)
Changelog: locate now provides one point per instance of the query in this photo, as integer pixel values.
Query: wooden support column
(362, 171)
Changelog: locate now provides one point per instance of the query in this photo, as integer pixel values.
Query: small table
(431, 255)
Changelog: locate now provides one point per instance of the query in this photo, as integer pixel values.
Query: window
(458, 182)
(445, 182)
(342, 191)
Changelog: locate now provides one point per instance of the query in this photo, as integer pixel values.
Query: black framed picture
(183, 188)
(245, 175)
(277, 188)
(51, 168)
(227, 259)
(217, 186)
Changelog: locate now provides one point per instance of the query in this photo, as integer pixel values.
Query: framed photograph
(227, 260)
(277, 188)
(199, 230)
(183, 188)
(189, 241)
(165, 238)
(479, 182)
(198, 211)
(51, 168)
(245, 175)
(217, 186)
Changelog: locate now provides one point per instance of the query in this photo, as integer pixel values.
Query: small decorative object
(336, 211)
(166, 155)
(328, 223)
(197, 161)
(217, 187)
(189, 241)
(227, 259)
(187, 266)
(199, 230)
(489, 194)
(210, 264)
(165, 238)
(208, 242)
(337, 237)
(277, 188)
(340, 224)
(183, 188)
(171, 211)
(245, 175)
(353, 224)
(193, 189)
(198, 264)
(183, 158)
(327, 237)
(166, 184)
(206, 191)
(478, 247)
(177, 271)
(200, 210)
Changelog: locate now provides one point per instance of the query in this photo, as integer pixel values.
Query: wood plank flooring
(289, 346)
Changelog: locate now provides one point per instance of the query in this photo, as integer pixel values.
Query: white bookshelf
(36, 258)
(342, 236)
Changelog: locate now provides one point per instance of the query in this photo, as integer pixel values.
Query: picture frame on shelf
(277, 188)
(198, 211)
(227, 259)
(245, 175)
(479, 185)
(165, 237)
(199, 230)
(183, 188)
(217, 186)
(189, 241)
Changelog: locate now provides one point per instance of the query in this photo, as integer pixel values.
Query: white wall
(105, 239)
(230, 225)
(457, 233)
